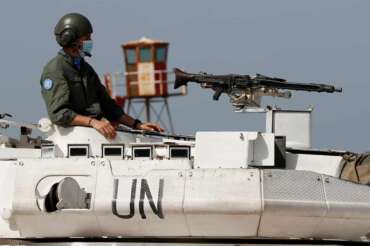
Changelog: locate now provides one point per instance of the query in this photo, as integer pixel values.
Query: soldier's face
(82, 39)
(75, 50)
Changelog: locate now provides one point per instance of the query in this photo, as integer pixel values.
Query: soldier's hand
(105, 128)
(148, 126)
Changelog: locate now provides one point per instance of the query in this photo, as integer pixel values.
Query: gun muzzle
(181, 77)
(330, 88)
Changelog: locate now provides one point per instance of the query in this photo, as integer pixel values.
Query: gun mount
(246, 91)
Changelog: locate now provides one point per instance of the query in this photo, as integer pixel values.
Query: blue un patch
(47, 84)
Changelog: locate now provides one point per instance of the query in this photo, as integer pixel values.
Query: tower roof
(144, 41)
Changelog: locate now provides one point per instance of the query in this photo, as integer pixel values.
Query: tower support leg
(169, 115)
(147, 109)
(128, 106)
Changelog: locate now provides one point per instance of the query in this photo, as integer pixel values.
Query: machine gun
(245, 91)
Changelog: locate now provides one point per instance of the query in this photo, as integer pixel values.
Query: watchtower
(146, 78)
(146, 68)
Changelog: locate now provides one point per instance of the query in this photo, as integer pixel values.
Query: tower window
(145, 54)
(160, 54)
(131, 56)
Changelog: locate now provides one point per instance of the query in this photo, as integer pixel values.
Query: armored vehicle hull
(216, 186)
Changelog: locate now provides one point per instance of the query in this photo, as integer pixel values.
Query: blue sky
(322, 41)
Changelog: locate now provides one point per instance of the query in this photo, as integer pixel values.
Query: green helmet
(71, 27)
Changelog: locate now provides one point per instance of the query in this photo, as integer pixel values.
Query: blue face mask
(86, 49)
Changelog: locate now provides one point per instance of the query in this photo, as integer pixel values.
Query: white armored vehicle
(234, 186)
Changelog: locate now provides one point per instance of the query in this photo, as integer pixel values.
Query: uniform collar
(75, 62)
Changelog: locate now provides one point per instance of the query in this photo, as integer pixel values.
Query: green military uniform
(70, 89)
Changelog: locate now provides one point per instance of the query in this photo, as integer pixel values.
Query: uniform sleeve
(110, 109)
(55, 92)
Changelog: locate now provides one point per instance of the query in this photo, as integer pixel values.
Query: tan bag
(356, 168)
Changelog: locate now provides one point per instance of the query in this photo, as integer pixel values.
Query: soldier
(72, 91)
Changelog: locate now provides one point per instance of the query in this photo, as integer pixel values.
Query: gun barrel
(317, 87)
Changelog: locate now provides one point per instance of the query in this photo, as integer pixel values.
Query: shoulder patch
(47, 84)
